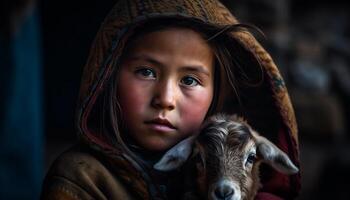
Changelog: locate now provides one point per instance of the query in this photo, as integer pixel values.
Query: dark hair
(228, 62)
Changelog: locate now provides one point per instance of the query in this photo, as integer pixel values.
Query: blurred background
(44, 46)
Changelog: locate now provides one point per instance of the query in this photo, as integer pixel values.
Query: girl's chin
(157, 144)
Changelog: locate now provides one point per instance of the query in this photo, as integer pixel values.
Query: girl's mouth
(161, 125)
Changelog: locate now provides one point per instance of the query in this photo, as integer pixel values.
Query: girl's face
(165, 87)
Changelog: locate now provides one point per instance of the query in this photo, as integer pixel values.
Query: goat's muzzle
(224, 189)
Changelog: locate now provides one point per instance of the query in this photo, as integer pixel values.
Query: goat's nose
(224, 192)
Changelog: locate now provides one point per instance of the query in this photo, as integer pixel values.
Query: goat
(231, 152)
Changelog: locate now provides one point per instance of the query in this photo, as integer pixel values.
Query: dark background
(68, 29)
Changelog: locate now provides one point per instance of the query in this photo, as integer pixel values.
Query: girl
(156, 70)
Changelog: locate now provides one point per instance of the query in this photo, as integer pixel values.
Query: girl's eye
(147, 73)
(251, 158)
(190, 81)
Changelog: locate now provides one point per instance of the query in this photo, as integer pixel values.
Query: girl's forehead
(172, 45)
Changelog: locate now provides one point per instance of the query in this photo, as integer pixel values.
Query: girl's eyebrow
(194, 68)
(146, 58)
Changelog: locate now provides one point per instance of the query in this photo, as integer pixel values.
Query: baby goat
(231, 152)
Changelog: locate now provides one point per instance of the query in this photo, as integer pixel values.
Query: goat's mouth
(224, 189)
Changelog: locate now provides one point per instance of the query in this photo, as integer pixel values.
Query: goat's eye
(251, 158)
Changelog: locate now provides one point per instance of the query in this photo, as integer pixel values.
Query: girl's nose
(164, 97)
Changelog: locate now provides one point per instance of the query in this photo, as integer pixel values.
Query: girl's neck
(149, 158)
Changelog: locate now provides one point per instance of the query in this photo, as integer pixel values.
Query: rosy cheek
(194, 111)
(132, 102)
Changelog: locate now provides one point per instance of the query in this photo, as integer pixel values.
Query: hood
(266, 106)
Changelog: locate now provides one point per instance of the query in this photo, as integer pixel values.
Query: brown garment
(84, 173)
(108, 171)
(80, 174)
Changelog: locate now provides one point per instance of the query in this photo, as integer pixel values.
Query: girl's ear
(176, 156)
(275, 157)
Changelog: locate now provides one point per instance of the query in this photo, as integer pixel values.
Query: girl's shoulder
(79, 174)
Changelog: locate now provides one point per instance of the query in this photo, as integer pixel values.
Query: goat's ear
(176, 156)
(275, 157)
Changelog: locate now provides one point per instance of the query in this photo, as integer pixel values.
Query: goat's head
(231, 152)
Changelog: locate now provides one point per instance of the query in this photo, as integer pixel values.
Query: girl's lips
(161, 125)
